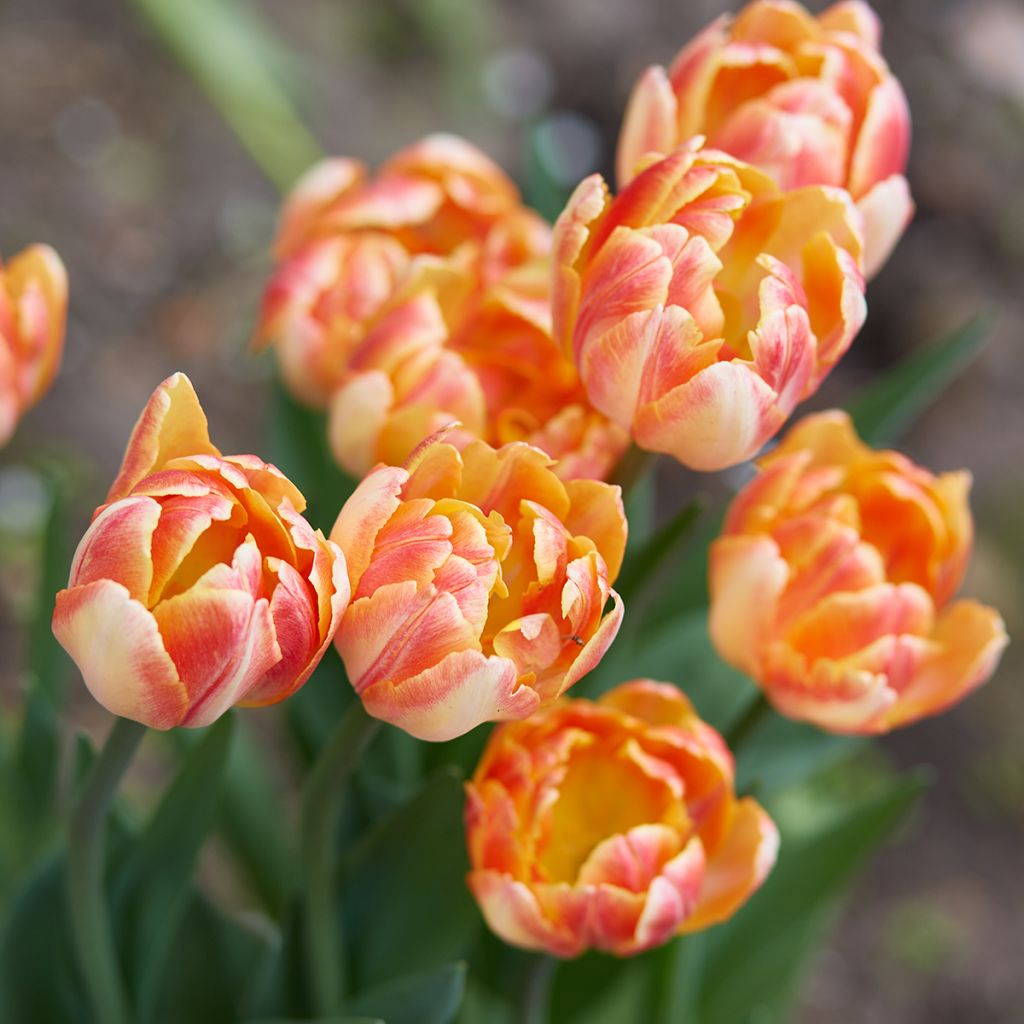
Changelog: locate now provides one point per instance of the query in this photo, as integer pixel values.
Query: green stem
(90, 923)
(535, 1007)
(748, 722)
(321, 809)
(634, 465)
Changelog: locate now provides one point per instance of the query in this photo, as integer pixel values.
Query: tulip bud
(832, 584)
(33, 316)
(199, 585)
(479, 583)
(611, 825)
(809, 100)
(702, 304)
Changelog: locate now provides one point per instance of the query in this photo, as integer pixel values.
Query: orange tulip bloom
(346, 243)
(702, 303)
(807, 99)
(198, 585)
(420, 297)
(611, 825)
(832, 584)
(33, 316)
(479, 582)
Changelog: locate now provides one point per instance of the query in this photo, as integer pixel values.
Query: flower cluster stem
(535, 1007)
(90, 922)
(747, 723)
(322, 802)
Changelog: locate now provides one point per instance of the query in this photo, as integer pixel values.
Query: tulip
(346, 244)
(807, 99)
(832, 584)
(479, 582)
(199, 585)
(33, 316)
(702, 303)
(611, 825)
(442, 353)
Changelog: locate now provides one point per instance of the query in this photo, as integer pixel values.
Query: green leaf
(648, 562)
(753, 960)
(236, 60)
(210, 970)
(38, 977)
(884, 411)
(152, 883)
(251, 815)
(47, 660)
(403, 890)
(35, 766)
(431, 997)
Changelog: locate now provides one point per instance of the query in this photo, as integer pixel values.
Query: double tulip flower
(199, 585)
(421, 296)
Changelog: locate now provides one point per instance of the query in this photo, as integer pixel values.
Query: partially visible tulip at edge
(479, 585)
(33, 318)
(702, 303)
(809, 100)
(199, 585)
(611, 825)
(833, 583)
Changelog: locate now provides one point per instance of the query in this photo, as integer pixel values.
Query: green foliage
(431, 997)
(403, 890)
(238, 63)
(152, 882)
(884, 411)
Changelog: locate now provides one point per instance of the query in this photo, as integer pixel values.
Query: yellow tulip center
(605, 793)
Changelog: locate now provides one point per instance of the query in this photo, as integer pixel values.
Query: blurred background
(113, 153)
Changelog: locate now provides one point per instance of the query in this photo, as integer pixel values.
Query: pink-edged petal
(325, 182)
(463, 690)
(594, 649)
(171, 426)
(747, 577)
(118, 545)
(221, 640)
(969, 639)
(115, 642)
(736, 867)
(368, 508)
(887, 209)
(883, 143)
(649, 125)
(514, 913)
(719, 418)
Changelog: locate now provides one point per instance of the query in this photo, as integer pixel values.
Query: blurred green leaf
(753, 960)
(46, 658)
(152, 883)
(252, 822)
(886, 409)
(39, 980)
(431, 997)
(650, 560)
(236, 60)
(403, 888)
(34, 774)
(210, 969)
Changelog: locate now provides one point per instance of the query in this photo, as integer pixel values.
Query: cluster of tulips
(484, 376)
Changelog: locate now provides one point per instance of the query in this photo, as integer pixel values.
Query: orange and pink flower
(611, 825)
(479, 583)
(702, 303)
(199, 585)
(422, 296)
(807, 99)
(33, 317)
(833, 580)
